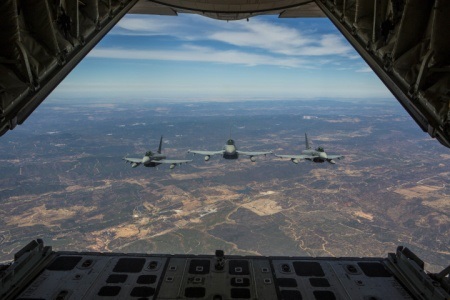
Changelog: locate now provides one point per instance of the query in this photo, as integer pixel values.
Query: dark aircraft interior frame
(404, 41)
(406, 44)
(41, 41)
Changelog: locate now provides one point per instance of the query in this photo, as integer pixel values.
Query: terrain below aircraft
(316, 155)
(151, 159)
(229, 151)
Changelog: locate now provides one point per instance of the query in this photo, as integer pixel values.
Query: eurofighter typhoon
(151, 159)
(229, 151)
(316, 155)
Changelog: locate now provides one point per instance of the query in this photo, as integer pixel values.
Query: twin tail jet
(229, 151)
(151, 159)
(316, 155)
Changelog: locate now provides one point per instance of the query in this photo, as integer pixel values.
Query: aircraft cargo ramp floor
(40, 273)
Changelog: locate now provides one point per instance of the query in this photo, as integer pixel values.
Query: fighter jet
(151, 159)
(229, 151)
(316, 155)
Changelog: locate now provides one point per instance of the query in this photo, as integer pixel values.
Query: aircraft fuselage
(230, 152)
(319, 156)
(149, 161)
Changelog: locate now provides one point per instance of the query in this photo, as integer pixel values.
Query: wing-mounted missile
(252, 158)
(207, 157)
(294, 160)
(332, 158)
(172, 166)
(134, 165)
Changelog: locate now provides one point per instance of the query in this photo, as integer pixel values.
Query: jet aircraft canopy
(404, 42)
(230, 142)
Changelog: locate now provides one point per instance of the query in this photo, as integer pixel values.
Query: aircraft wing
(206, 152)
(133, 160)
(253, 153)
(295, 156)
(335, 156)
(172, 161)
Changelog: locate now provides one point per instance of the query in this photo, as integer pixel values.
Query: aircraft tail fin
(307, 142)
(160, 145)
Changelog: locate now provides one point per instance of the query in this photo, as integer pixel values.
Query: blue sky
(190, 57)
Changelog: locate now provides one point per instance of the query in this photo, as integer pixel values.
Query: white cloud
(146, 25)
(263, 35)
(354, 56)
(199, 54)
(186, 27)
(257, 34)
(364, 70)
(191, 38)
(152, 26)
(328, 44)
(283, 40)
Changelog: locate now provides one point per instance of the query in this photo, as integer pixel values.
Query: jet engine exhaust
(207, 157)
